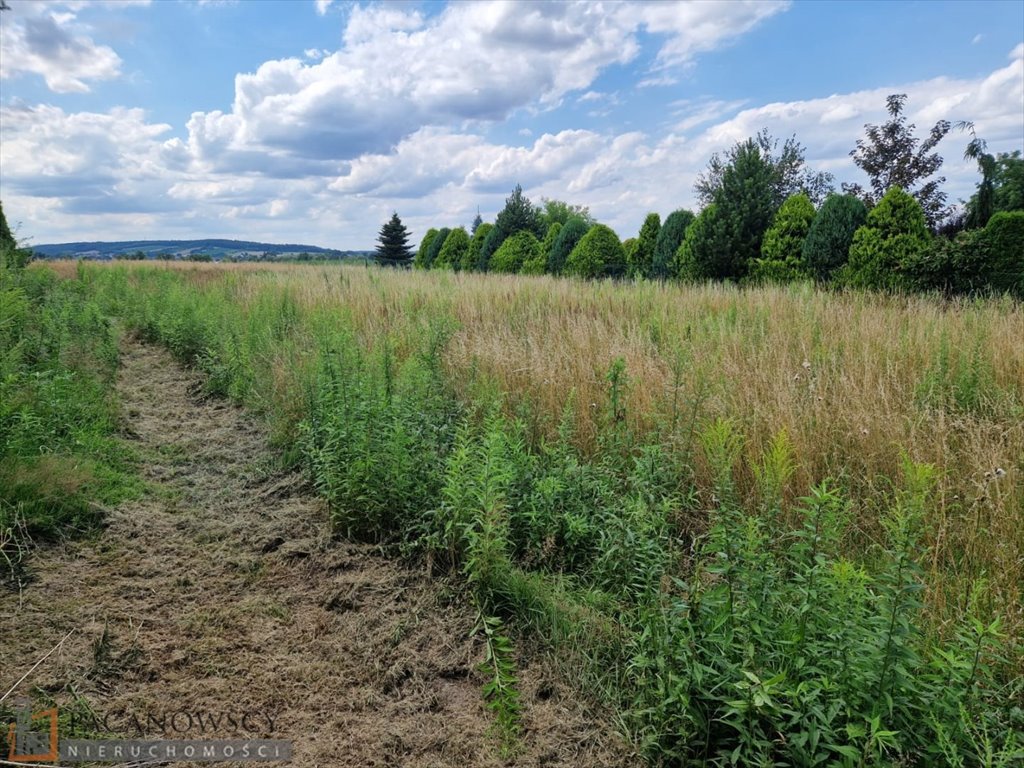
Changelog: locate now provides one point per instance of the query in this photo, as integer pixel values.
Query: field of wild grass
(746, 510)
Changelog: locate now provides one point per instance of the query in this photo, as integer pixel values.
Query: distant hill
(218, 250)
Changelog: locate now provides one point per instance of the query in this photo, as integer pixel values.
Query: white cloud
(47, 40)
(399, 71)
(322, 6)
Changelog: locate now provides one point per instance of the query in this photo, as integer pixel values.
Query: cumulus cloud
(399, 71)
(47, 40)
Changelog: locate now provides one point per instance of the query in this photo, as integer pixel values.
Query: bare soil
(223, 591)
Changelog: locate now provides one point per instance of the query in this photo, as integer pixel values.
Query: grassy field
(665, 482)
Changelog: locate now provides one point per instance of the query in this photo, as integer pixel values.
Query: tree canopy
(892, 156)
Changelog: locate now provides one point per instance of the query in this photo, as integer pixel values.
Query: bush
(1004, 243)
(515, 252)
(549, 243)
(827, 247)
(420, 261)
(454, 250)
(893, 239)
(642, 262)
(571, 233)
(598, 254)
(436, 245)
(471, 261)
(670, 237)
(781, 251)
(704, 253)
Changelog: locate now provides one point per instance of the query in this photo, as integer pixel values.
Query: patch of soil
(222, 591)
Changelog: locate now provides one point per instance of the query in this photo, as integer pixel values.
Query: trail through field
(221, 591)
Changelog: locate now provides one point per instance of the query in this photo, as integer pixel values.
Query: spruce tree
(393, 244)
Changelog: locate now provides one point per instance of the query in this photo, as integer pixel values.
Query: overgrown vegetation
(746, 586)
(58, 454)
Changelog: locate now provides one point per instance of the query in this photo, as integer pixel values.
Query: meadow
(764, 523)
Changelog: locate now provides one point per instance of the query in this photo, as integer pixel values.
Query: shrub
(454, 250)
(515, 252)
(571, 233)
(1004, 243)
(704, 252)
(883, 251)
(549, 242)
(598, 254)
(670, 237)
(471, 260)
(781, 251)
(642, 262)
(827, 246)
(435, 247)
(420, 261)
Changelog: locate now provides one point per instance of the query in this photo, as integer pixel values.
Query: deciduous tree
(892, 156)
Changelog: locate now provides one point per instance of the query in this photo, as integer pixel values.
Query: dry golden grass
(854, 380)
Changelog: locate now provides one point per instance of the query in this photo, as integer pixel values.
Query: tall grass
(58, 453)
(775, 524)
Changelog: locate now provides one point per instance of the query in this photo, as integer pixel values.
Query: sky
(310, 121)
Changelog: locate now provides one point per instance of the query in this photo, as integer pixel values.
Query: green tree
(703, 254)
(1009, 182)
(435, 246)
(454, 250)
(1004, 187)
(472, 260)
(518, 215)
(670, 237)
(548, 245)
(517, 250)
(629, 247)
(477, 221)
(571, 233)
(789, 172)
(420, 261)
(893, 238)
(827, 246)
(745, 201)
(642, 262)
(782, 248)
(599, 253)
(393, 244)
(1004, 239)
(559, 212)
(6, 236)
(892, 156)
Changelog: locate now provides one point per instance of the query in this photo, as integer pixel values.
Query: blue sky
(310, 121)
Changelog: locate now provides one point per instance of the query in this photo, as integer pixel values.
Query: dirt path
(222, 592)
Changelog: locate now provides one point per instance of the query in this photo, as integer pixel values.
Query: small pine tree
(393, 244)
(642, 263)
(598, 254)
(420, 261)
(472, 261)
(781, 250)
(827, 246)
(894, 236)
(517, 250)
(705, 253)
(670, 237)
(549, 243)
(454, 250)
(477, 221)
(435, 246)
(518, 214)
(568, 237)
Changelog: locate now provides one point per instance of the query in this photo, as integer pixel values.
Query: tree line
(766, 217)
